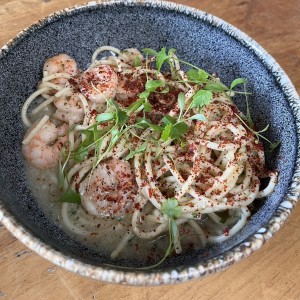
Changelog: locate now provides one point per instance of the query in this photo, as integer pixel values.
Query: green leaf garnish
(198, 117)
(140, 149)
(168, 120)
(216, 87)
(144, 95)
(181, 103)
(149, 51)
(82, 151)
(64, 157)
(173, 228)
(148, 124)
(131, 121)
(70, 196)
(95, 136)
(161, 57)
(152, 85)
(179, 129)
(171, 208)
(164, 91)
(115, 133)
(259, 135)
(147, 107)
(248, 115)
(134, 106)
(237, 81)
(166, 132)
(81, 154)
(197, 75)
(171, 51)
(105, 117)
(202, 98)
(121, 117)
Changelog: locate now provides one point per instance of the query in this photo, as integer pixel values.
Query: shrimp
(109, 190)
(69, 109)
(129, 87)
(99, 84)
(43, 150)
(61, 63)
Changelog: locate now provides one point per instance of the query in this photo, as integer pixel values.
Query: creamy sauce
(99, 234)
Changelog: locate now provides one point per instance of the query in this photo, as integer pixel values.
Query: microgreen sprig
(258, 134)
(171, 210)
(249, 121)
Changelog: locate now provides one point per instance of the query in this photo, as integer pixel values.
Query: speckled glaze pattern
(200, 38)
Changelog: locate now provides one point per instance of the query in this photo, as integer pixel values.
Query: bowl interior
(197, 41)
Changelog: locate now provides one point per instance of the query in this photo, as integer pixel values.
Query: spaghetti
(159, 150)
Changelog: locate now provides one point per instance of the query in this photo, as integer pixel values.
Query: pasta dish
(146, 148)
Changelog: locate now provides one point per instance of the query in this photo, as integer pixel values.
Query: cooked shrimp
(69, 109)
(129, 87)
(99, 83)
(44, 148)
(61, 63)
(109, 190)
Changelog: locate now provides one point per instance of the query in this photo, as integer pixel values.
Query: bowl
(200, 38)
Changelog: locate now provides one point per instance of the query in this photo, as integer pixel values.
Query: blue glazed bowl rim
(115, 274)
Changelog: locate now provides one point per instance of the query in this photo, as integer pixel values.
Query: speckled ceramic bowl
(199, 38)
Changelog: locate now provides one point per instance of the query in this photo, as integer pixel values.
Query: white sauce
(102, 235)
